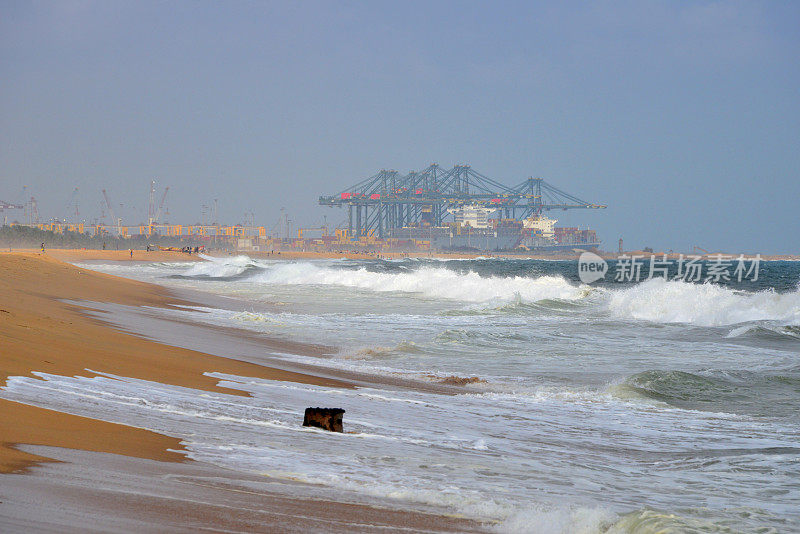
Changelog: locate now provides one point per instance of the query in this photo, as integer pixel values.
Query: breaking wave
(655, 300)
(432, 282)
(664, 301)
(647, 521)
(759, 331)
(744, 392)
(220, 267)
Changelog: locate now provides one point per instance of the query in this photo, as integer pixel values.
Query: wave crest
(760, 331)
(744, 392)
(220, 267)
(659, 300)
(432, 282)
(655, 300)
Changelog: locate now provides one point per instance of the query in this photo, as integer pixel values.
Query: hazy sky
(682, 117)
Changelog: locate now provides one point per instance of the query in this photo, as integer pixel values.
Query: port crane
(117, 222)
(146, 228)
(73, 201)
(8, 206)
(157, 217)
(388, 199)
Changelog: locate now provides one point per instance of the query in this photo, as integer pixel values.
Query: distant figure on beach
(42, 248)
(131, 253)
(104, 245)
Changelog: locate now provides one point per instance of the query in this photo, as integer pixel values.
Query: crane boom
(110, 209)
(389, 200)
(161, 206)
(71, 201)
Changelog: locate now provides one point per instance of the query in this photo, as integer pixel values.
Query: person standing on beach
(42, 248)
(131, 253)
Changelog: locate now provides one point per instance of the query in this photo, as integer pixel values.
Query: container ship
(473, 229)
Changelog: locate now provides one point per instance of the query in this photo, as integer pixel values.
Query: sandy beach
(168, 395)
(41, 332)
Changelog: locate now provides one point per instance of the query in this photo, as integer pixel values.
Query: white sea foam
(457, 452)
(655, 300)
(549, 443)
(432, 282)
(220, 267)
(664, 301)
(559, 520)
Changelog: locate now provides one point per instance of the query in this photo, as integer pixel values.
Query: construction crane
(388, 200)
(72, 200)
(117, 223)
(282, 228)
(160, 206)
(151, 208)
(32, 211)
(108, 205)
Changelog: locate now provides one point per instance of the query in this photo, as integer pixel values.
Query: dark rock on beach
(325, 418)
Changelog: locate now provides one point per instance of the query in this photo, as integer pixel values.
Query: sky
(682, 117)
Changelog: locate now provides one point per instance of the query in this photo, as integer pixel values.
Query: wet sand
(45, 326)
(40, 332)
(247, 345)
(79, 255)
(110, 493)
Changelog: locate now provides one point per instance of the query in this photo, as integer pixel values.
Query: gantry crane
(8, 206)
(157, 217)
(389, 200)
(117, 222)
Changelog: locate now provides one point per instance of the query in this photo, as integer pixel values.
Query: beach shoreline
(90, 255)
(40, 332)
(45, 327)
(112, 493)
(274, 333)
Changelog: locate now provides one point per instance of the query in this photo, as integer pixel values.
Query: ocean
(619, 406)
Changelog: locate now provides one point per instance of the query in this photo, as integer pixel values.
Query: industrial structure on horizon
(433, 209)
(155, 226)
(459, 209)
